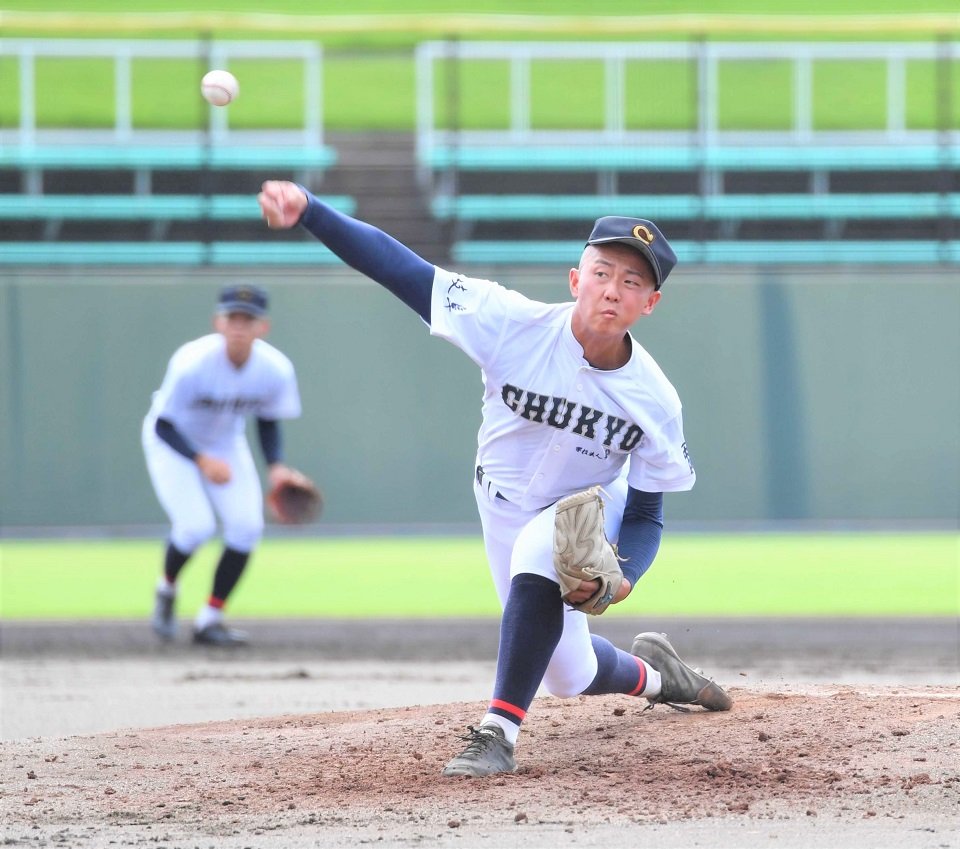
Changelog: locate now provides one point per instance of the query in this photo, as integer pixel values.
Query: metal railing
(708, 58)
(123, 52)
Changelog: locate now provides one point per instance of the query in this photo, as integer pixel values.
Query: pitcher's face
(614, 286)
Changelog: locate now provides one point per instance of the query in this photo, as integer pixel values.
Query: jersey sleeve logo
(686, 456)
(449, 304)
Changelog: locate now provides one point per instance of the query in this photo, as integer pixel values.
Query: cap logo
(244, 295)
(643, 234)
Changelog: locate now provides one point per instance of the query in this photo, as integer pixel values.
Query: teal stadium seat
(601, 157)
(152, 208)
(165, 253)
(679, 207)
(780, 252)
(166, 157)
(24, 207)
(724, 212)
(145, 206)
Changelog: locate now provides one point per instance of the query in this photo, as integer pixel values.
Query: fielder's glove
(581, 551)
(295, 501)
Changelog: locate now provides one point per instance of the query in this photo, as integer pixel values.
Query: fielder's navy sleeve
(168, 432)
(271, 440)
(640, 532)
(373, 253)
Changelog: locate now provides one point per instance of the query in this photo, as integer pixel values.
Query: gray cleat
(680, 684)
(219, 635)
(163, 623)
(487, 753)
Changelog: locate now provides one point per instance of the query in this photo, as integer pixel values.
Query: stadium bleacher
(736, 226)
(795, 194)
(515, 194)
(151, 207)
(749, 205)
(164, 253)
(129, 194)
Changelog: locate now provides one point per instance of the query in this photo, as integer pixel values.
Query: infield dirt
(796, 763)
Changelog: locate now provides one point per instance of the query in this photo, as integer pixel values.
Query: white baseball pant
(193, 503)
(519, 541)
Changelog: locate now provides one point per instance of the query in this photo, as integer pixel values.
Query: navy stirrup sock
(173, 561)
(617, 671)
(229, 570)
(531, 627)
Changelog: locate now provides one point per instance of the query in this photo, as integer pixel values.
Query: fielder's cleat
(220, 635)
(679, 684)
(487, 753)
(163, 623)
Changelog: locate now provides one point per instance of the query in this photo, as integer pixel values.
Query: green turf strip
(514, 7)
(695, 575)
(368, 73)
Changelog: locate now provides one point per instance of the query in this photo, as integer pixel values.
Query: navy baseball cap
(243, 298)
(641, 235)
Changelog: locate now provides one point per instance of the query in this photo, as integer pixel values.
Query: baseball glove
(295, 501)
(581, 551)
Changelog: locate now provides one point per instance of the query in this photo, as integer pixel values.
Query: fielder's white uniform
(553, 425)
(208, 400)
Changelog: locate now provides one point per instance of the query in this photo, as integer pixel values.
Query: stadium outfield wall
(822, 394)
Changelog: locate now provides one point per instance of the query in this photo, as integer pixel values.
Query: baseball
(219, 87)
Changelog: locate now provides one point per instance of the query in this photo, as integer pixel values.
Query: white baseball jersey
(208, 398)
(552, 424)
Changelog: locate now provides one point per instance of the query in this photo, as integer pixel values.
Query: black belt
(480, 476)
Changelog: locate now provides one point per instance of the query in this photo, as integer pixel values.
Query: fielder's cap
(243, 298)
(640, 234)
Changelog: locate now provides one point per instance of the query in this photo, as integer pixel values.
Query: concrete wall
(823, 394)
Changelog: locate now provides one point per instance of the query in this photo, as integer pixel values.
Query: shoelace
(478, 741)
(679, 708)
(656, 700)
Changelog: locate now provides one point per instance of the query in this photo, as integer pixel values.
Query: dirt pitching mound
(586, 766)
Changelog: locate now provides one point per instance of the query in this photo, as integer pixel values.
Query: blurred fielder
(199, 459)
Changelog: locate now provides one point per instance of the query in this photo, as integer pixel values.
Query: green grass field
(369, 84)
(369, 76)
(553, 8)
(166, 95)
(695, 575)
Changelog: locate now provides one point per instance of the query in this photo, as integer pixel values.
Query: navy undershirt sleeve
(373, 253)
(640, 532)
(168, 432)
(271, 440)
